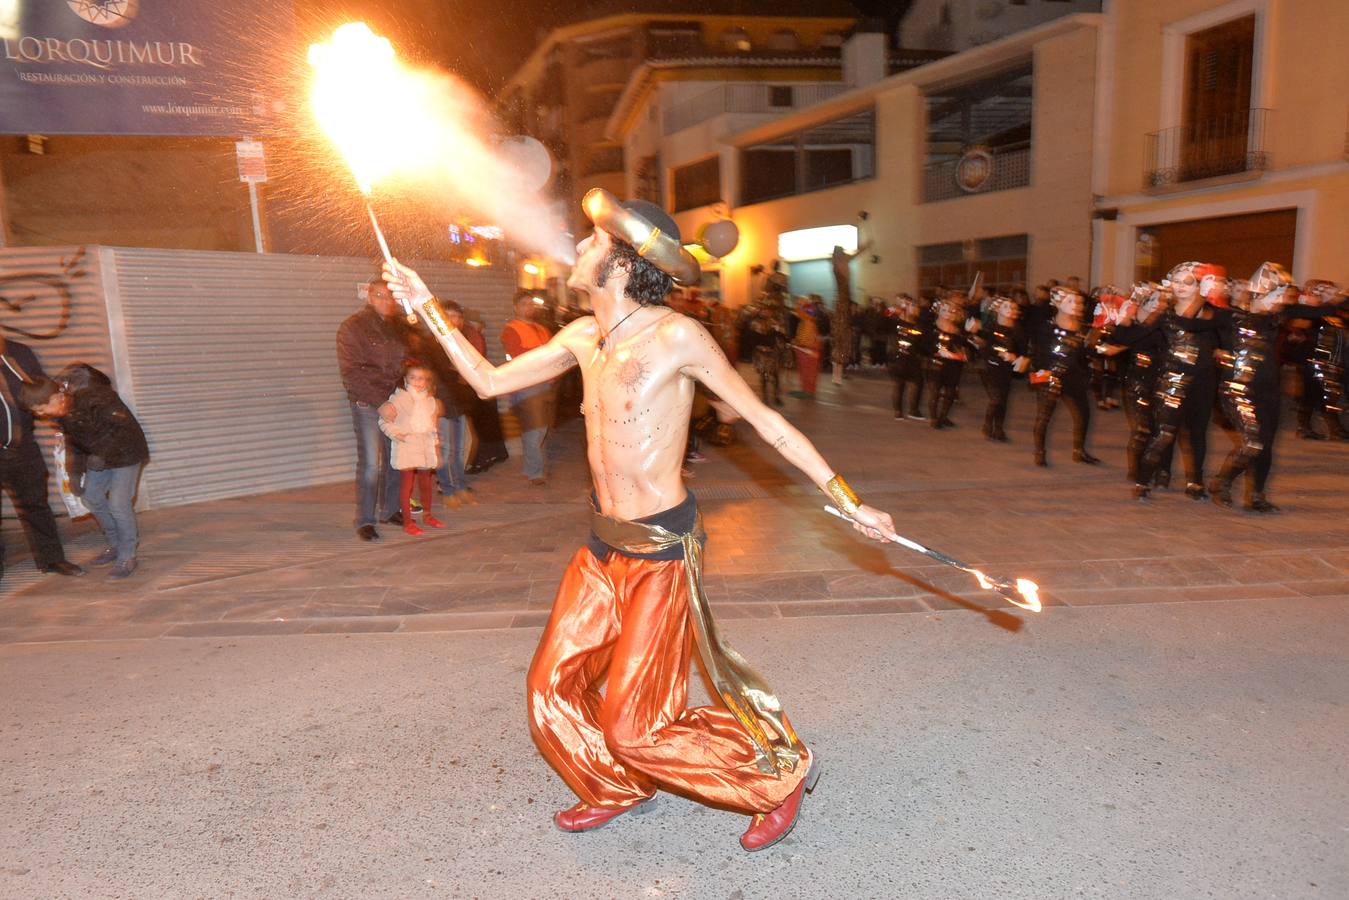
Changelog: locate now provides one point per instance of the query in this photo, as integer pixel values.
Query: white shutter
(229, 359)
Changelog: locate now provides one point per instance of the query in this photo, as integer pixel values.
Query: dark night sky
(484, 42)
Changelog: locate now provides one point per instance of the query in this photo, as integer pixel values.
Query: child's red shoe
(411, 528)
(431, 521)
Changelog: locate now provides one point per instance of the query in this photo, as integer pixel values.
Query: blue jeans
(375, 476)
(110, 495)
(453, 434)
(534, 408)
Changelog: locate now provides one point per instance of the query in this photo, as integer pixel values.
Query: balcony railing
(943, 180)
(1227, 145)
(745, 98)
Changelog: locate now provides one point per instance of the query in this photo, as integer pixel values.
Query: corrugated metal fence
(228, 359)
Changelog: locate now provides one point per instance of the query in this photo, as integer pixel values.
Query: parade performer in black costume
(1188, 380)
(1249, 388)
(909, 352)
(1136, 340)
(1004, 354)
(1323, 381)
(951, 350)
(1060, 352)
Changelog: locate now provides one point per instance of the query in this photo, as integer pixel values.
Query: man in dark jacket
(106, 449)
(22, 470)
(371, 346)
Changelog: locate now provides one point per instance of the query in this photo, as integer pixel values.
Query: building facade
(1223, 137)
(975, 162)
(566, 91)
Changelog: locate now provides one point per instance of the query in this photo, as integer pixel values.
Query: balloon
(720, 237)
(530, 158)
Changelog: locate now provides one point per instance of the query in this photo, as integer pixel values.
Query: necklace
(604, 339)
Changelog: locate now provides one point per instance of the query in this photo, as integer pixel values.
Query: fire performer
(632, 597)
(908, 356)
(951, 349)
(1138, 334)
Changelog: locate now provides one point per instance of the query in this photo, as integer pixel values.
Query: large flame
(429, 131)
(359, 88)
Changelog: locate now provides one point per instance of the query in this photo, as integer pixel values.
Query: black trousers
(1075, 394)
(908, 370)
(943, 383)
(1256, 419)
(1188, 409)
(1140, 399)
(487, 425)
(998, 385)
(23, 473)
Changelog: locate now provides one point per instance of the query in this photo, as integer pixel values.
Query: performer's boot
(1260, 503)
(1195, 491)
(587, 818)
(1080, 455)
(1221, 490)
(431, 521)
(1142, 492)
(766, 829)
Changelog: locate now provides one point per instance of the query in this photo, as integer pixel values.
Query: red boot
(411, 528)
(431, 521)
(766, 829)
(587, 818)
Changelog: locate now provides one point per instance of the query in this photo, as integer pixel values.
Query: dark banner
(187, 67)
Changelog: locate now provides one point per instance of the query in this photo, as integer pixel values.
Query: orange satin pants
(623, 624)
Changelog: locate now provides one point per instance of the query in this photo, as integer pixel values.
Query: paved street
(271, 708)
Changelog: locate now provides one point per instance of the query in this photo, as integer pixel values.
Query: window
(826, 155)
(1001, 260)
(979, 136)
(780, 96)
(674, 39)
(736, 40)
(697, 184)
(1217, 100)
(783, 39)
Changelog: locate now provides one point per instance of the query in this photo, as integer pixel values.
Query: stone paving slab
(256, 565)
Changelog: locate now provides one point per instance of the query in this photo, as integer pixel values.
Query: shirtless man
(630, 600)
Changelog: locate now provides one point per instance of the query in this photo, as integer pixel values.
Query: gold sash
(742, 690)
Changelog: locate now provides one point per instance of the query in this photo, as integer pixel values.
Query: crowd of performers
(1177, 351)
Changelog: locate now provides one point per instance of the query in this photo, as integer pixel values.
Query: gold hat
(648, 228)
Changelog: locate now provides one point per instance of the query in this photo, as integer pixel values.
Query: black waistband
(679, 519)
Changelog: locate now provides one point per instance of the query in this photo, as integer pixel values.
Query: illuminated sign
(816, 243)
(974, 169)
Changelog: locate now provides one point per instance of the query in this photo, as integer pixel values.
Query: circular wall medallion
(105, 13)
(974, 169)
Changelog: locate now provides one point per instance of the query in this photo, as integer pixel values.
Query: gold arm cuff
(435, 317)
(847, 500)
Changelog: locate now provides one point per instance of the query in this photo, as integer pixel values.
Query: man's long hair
(647, 284)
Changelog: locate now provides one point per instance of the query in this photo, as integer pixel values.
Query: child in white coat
(409, 419)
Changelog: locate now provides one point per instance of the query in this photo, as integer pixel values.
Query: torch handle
(388, 258)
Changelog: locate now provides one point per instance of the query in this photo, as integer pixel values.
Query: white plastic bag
(74, 505)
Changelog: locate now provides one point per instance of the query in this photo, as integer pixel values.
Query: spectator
(409, 419)
(371, 345)
(806, 345)
(22, 470)
(533, 406)
(490, 448)
(105, 450)
(455, 397)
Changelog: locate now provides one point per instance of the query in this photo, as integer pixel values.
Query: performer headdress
(648, 228)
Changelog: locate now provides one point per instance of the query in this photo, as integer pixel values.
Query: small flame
(1030, 593)
(983, 580)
